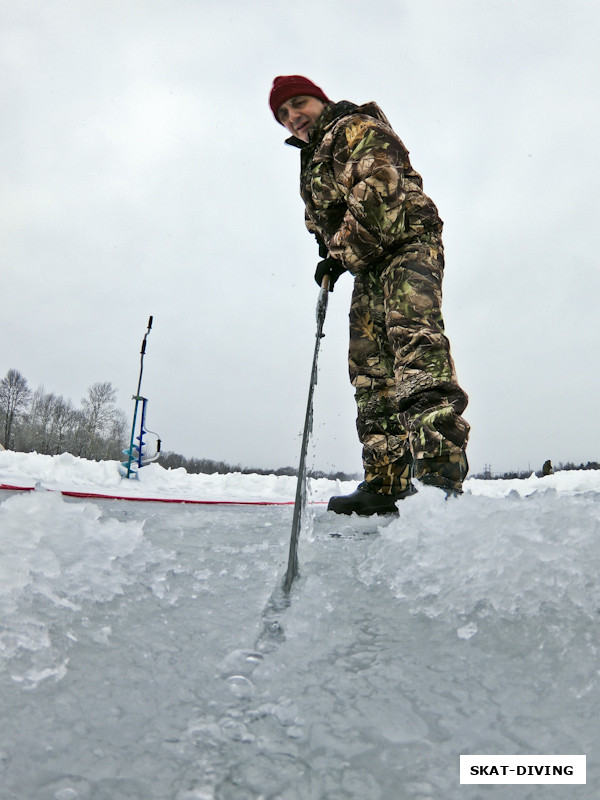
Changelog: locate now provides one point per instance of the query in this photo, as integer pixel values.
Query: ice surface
(147, 651)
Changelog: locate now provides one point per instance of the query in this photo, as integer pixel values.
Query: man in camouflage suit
(366, 206)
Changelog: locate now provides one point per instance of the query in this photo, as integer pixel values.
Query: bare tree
(115, 437)
(65, 422)
(100, 415)
(38, 430)
(98, 406)
(14, 396)
(47, 423)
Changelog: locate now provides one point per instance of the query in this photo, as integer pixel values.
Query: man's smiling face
(299, 114)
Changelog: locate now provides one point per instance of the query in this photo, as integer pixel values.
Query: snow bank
(69, 473)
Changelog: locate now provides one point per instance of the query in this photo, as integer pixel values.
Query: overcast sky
(143, 173)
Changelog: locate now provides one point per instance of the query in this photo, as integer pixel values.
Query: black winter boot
(365, 503)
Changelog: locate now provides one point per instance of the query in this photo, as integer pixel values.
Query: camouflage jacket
(363, 199)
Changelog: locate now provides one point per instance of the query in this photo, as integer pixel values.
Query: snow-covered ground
(146, 651)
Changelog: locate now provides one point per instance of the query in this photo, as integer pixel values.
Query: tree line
(547, 469)
(46, 423)
(171, 460)
(49, 424)
(98, 430)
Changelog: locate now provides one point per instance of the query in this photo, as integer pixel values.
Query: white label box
(523, 769)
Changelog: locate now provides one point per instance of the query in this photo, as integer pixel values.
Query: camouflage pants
(407, 394)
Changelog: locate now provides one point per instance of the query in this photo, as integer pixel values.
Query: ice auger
(137, 452)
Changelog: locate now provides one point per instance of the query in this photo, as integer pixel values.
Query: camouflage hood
(363, 199)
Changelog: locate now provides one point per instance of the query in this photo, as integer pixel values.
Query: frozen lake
(145, 652)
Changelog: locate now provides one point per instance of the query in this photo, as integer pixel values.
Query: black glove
(329, 266)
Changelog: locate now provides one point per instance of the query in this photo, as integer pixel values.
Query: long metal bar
(300, 502)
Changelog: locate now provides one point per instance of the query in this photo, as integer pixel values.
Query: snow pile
(69, 473)
(61, 555)
(530, 555)
(571, 482)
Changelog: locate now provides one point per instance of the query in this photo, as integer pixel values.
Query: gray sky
(143, 173)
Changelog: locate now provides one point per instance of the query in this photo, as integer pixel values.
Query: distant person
(366, 207)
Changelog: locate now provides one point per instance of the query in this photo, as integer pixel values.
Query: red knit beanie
(287, 86)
